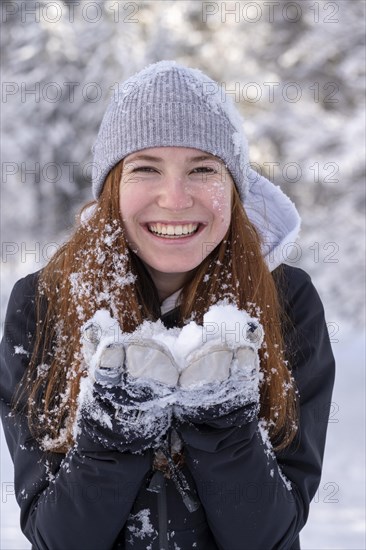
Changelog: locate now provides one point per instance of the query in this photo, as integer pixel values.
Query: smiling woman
(172, 208)
(171, 363)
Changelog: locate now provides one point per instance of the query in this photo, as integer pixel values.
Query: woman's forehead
(185, 154)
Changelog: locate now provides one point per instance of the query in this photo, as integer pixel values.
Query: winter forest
(296, 71)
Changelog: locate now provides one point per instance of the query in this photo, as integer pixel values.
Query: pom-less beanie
(168, 104)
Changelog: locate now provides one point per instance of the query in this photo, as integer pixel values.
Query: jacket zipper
(157, 485)
(190, 501)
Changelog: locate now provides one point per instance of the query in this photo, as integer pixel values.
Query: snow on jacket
(250, 498)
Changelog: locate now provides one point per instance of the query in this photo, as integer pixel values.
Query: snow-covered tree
(295, 69)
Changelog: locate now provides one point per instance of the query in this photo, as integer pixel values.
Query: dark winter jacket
(250, 498)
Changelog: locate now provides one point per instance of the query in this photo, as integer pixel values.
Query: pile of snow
(191, 356)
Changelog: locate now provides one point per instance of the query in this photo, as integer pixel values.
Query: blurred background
(296, 71)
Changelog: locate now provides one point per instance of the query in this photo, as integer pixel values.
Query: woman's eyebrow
(145, 157)
(204, 157)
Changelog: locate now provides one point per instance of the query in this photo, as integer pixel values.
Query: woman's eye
(204, 170)
(144, 169)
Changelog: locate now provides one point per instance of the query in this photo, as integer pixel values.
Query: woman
(163, 374)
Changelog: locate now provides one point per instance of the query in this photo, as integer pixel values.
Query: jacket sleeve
(78, 500)
(253, 498)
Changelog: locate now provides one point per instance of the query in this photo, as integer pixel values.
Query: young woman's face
(175, 203)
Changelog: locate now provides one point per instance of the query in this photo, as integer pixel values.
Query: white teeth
(173, 230)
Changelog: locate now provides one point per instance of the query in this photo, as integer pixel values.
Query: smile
(170, 231)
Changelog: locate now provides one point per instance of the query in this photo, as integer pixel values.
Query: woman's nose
(175, 194)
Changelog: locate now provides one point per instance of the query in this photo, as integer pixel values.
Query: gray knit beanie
(167, 104)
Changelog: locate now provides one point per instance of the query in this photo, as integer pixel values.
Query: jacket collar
(170, 302)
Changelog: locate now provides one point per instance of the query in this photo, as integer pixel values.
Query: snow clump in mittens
(221, 367)
(194, 366)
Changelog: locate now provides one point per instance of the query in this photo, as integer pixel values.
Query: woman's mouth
(173, 231)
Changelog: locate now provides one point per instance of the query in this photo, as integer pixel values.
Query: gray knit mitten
(125, 401)
(220, 378)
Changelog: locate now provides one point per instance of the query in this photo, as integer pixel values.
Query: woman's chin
(173, 270)
(171, 267)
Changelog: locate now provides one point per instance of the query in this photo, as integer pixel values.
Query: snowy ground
(337, 515)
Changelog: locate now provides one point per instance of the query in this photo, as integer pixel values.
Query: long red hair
(95, 269)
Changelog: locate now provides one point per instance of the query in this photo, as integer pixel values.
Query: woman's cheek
(220, 195)
(129, 200)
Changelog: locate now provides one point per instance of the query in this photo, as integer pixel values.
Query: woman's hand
(125, 401)
(230, 376)
(136, 383)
